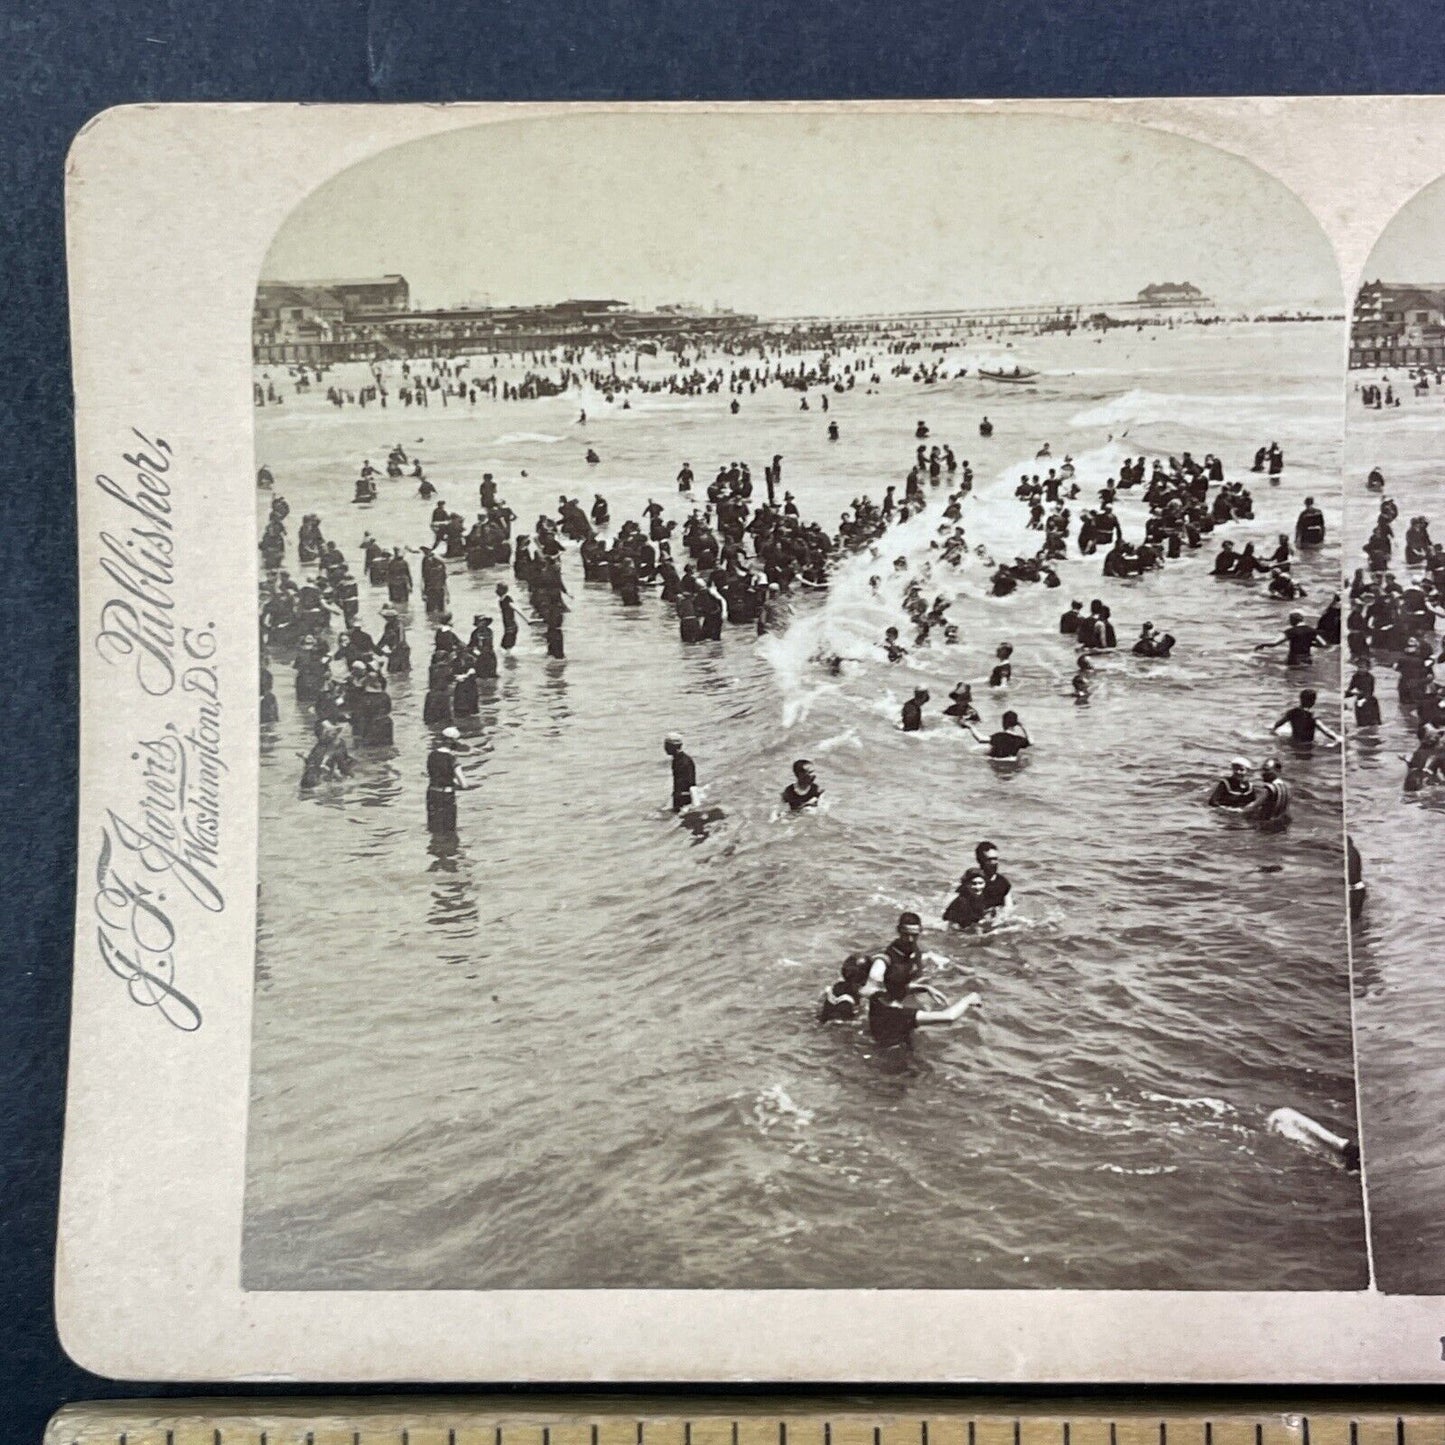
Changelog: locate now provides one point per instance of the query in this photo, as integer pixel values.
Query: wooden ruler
(492, 1421)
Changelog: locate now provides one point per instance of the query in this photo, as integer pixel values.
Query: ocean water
(578, 1048)
(1400, 1010)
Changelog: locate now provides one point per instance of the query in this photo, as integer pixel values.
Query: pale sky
(807, 214)
(1412, 247)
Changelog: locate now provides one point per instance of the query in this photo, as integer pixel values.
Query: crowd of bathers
(739, 558)
(1392, 624)
(734, 558)
(753, 366)
(1181, 514)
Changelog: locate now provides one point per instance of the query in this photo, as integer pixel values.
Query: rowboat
(1017, 376)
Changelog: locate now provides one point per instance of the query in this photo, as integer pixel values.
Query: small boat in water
(1018, 376)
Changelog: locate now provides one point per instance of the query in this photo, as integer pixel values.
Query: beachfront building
(374, 296)
(311, 320)
(1172, 293)
(294, 323)
(365, 320)
(1398, 324)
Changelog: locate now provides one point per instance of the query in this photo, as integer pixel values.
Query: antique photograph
(1396, 713)
(799, 699)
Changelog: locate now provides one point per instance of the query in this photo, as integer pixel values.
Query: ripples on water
(1401, 999)
(577, 1047)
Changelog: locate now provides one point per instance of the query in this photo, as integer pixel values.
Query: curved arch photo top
(799, 713)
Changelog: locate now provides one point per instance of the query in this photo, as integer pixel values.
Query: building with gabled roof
(1398, 324)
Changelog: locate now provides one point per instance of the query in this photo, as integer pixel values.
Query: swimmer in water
(891, 645)
(841, 998)
(913, 711)
(1303, 724)
(1367, 705)
(1300, 636)
(1355, 869)
(1272, 797)
(1008, 742)
(960, 705)
(892, 1019)
(684, 772)
(1234, 790)
(905, 948)
(1425, 764)
(968, 908)
(998, 891)
(1003, 668)
(803, 791)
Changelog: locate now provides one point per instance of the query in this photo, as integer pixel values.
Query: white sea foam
(1211, 414)
(775, 1106)
(848, 739)
(1217, 1107)
(853, 617)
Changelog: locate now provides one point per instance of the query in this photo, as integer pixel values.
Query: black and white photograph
(799, 700)
(1395, 563)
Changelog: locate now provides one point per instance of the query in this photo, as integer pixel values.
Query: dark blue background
(60, 64)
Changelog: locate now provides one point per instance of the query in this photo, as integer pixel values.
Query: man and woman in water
(886, 978)
(1267, 801)
(984, 895)
(889, 982)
